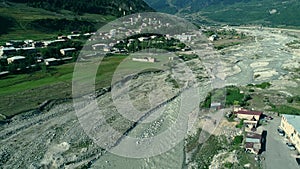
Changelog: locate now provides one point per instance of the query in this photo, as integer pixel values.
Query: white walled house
(15, 59)
(67, 50)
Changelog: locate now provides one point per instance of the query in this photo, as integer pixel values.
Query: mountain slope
(37, 19)
(192, 5)
(112, 7)
(236, 12)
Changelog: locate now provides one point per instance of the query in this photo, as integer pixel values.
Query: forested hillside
(111, 7)
(36, 19)
(235, 12)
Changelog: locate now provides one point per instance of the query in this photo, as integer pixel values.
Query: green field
(26, 91)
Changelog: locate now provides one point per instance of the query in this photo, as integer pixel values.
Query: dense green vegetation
(237, 141)
(235, 12)
(6, 24)
(21, 22)
(263, 85)
(293, 99)
(285, 109)
(84, 6)
(62, 25)
(240, 125)
(37, 19)
(207, 101)
(174, 6)
(234, 95)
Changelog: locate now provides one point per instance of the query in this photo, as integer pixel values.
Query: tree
(236, 103)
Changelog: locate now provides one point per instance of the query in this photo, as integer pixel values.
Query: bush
(251, 90)
(232, 95)
(293, 99)
(263, 85)
(237, 140)
(240, 125)
(228, 165)
(207, 102)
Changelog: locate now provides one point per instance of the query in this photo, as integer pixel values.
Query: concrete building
(290, 124)
(15, 59)
(146, 59)
(216, 106)
(251, 118)
(253, 142)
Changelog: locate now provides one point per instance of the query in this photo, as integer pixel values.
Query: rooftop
(51, 60)
(68, 49)
(17, 57)
(249, 112)
(215, 104)
(253, 135)
(293, 120)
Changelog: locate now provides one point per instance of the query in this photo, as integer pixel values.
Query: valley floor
(56, 138)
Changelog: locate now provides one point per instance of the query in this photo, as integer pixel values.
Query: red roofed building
(251, 118)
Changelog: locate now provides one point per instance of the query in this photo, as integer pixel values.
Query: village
(253, 132)
(29, 53)
(260, 133)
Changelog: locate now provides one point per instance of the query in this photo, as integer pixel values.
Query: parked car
(291, 146)
(269, 118)
(281, 132)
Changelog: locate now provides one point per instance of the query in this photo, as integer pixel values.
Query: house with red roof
(251, 118)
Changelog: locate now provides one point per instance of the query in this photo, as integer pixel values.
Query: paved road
(277, 155)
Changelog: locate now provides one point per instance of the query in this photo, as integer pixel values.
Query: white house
(75, 36)
(7, 51)
(99, 46)
(146, 59)
(67, 50)
(15, 59)
(51, 61)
